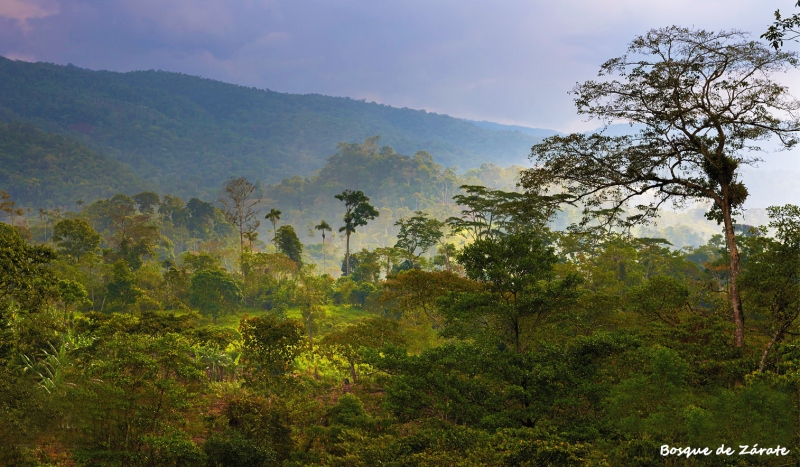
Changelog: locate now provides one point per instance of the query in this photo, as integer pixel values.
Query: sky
(507, 61)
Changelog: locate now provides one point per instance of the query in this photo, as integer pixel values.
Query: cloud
(22, 10)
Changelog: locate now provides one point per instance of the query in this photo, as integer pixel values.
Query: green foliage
(418, 232)
(522, 292)
(174, 129)
(269, 347)
(288, 244)
(202, 261)
(488, 213)
(357, 212)
(350, 343)
(214, 292)
(122, 289)
(771, 281)
(25, 281)
(662, 298)
(134, 401)
(256, 433)
(364, 266)
(75, 238)
(45, 169)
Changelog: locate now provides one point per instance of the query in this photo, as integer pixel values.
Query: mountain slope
(186, 134)
(46, 170)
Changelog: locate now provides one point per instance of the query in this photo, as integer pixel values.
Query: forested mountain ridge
(45, 169)
(186, 135)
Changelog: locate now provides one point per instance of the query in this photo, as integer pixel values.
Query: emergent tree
(322, 227)
(418, 232)
(703, 100)
(239, 206)
(274, 215)
(357, 213)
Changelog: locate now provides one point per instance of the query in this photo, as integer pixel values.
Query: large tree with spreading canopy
(702, 102)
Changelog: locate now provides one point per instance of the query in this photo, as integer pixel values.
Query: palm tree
(323, 226)
(274, 216)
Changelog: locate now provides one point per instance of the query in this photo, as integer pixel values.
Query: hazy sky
(508, 61)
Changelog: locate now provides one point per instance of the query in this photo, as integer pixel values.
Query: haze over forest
(206, 273)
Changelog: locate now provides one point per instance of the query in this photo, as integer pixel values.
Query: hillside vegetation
(186, 134)
(44, 169)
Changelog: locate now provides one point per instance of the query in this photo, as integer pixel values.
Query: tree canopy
(704, 100)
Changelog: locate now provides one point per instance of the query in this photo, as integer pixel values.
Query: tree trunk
(733, 294)
(775, 338)
(347, 256)
(353, 373)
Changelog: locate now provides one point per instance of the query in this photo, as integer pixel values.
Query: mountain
(535, 132)
(46, 170)
(187, 135)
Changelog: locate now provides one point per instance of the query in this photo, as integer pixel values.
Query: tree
(322, 227)
(787, 28)
(214, 292)
(122, 287)
(365, 266)
(251, 237)
(287, 243)
(71, 293)
(7, 205)
(771, 281)
(142, 391)
(415, 293)
(389, 255)
(133, 235)
(147, 202)
(75, 238)
(269, 347)
(357, 213)
(310, 295)
(490, 213)
(239, 207)
(349, 343)
(25, 277)
(703, 99)
(521, 290)
(418, 232)
(274, 216)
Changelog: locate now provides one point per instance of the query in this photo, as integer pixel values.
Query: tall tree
(357, 213)
(274, 216)
(322, 227)
(287, 243)
(704, 100)
(147, 202)
(8, 206)
(418, 232)
(522, 291)
(75, 238)
(214, 292)
(389, 255)
(239, 206)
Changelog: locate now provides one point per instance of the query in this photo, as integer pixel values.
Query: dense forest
(388, 310)
(136, 332)
(187, 135)
(49, 170)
